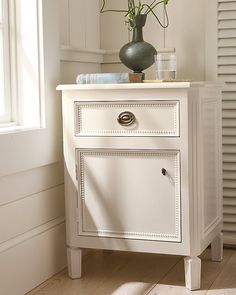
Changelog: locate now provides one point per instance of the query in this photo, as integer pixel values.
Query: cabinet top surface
(168, 85)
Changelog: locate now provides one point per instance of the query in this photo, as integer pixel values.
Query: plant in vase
(138, 55)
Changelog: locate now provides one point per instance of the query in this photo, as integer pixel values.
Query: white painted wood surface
(150, 119)
(111, 207)
(32, 221)
(30, 212)
(217, 248)
(33, 260)
(125, 86)
(30, 182)
(105, 197)
(74, 258)
(64, 22)
(192, 267)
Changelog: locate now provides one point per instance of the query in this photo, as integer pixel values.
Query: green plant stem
(150, 5)
(153, 5)
(164, 26)
(136, 10)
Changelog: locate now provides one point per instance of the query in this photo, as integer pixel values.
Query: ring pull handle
(126, 118)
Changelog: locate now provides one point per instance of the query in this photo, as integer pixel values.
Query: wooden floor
(120, 273)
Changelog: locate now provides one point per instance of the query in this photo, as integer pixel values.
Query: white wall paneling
(82, 55)
(80, 31)
(64, 22)
(77, 23)
(84, 24)
(32, 258)
(17, 186)
(114, 32)
(31, 215)
(227, 73)
(30, 212)
(92, 30)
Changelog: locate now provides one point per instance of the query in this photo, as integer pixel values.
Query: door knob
(163, 171)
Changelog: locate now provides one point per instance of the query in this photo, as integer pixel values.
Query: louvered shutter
(227, 73)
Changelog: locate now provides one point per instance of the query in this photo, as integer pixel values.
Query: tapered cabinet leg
(217, 248)
(192, 267)
(74, 259)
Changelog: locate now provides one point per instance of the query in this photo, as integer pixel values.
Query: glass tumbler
(165, 64)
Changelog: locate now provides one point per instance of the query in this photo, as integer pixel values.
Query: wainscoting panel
(21, 216)
(19, 185)
(32, 231)
(28, 261)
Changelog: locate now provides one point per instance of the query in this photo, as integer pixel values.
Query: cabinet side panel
(210, 174)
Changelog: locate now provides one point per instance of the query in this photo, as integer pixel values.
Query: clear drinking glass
(165, 64)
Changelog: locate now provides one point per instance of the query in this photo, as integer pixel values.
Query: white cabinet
(143, 170)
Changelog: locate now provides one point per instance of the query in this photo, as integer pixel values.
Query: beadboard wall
(80, 38)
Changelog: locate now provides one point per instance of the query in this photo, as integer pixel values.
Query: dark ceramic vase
(138, 55)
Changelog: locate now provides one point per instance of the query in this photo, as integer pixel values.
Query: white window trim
(26, 89)
(7, 117)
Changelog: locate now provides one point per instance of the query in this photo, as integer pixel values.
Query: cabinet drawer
(131, 194)
(149, 118)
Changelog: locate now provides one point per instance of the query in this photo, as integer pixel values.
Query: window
(21, 95)
(5, 100)
(35, 73)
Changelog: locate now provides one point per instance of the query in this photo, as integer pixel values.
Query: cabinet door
(131, 194)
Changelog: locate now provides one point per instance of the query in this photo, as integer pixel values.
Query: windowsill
(13, 128)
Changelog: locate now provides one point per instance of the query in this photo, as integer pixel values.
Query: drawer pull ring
(163, 171)
(126, 118)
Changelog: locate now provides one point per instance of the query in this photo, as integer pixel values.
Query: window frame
(25, 104)
(6, 118)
